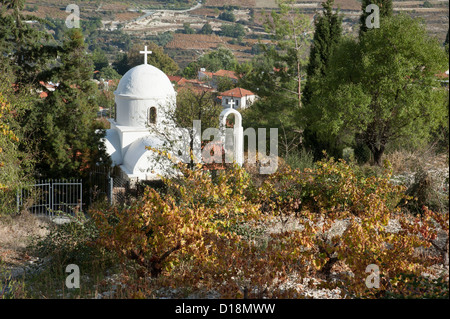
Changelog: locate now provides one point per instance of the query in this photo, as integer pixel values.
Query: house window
(237, 102)
(226, 101)
(152, 115)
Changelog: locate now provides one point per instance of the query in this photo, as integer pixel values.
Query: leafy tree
(6, 135)
(64, 124)
(427, 4)
(276, 76)
(382, 88)
(10, 171)
(99, 59)
(16, 159)
(224, 84)
(290, 33)
(206, 29)
(232, 30)
(227, 16)
(187, 29)
(109, 73)
(386, 10)
(221, 58)
(190, 71)
(158, 58)
(193, 105)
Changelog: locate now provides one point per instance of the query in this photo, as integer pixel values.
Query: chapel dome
(144, 82)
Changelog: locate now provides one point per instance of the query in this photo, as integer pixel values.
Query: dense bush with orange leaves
(216, 232)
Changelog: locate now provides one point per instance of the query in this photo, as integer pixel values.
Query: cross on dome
(146, 53)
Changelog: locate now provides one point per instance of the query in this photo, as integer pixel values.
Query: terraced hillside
(143, 20)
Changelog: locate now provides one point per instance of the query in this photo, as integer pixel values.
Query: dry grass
(16, 233)
(409, 162)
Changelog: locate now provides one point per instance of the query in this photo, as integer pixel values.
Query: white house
(238, 98)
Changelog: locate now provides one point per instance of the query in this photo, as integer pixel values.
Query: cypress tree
(328, 31)
(327, 34)
(65, 122)
(26, 47)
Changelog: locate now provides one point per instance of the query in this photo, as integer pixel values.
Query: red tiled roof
(194, 85)
(195, 88)
(175, 78)
(443, 75)
(238, 92)
(226, 73)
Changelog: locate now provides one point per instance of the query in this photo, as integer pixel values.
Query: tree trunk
(377, 153)
(299, 85)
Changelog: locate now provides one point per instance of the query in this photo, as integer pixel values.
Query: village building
(213, 78)
(237, 98)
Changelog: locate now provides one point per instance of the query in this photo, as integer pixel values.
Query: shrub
(72, 242)
(211, 233)
(346, 217)
(300, 160)
(158, 232)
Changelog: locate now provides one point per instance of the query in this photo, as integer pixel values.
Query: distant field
(195, 41)
(186, 47)
(344, 4)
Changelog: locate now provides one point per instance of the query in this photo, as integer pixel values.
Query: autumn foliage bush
(213, 233)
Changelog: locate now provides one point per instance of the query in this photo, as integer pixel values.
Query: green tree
(64, 124)
(221, 58)
(28, 48)
(109, 73)
(328, 32)
(290, 31)
(158, 58)
(383, 88)
(196, 105)
(190, 71)
(224, 84)
(276, 76)
(227, 16)
(206, 29)
(193, 105)
(187, 29)
(386, 10)
(233, 30)
(99, 59)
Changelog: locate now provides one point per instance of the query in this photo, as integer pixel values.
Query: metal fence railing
(51, 197)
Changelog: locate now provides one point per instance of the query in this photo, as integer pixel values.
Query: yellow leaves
(5, 130)
(205, 222)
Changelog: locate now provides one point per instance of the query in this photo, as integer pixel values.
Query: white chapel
(145, 101)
